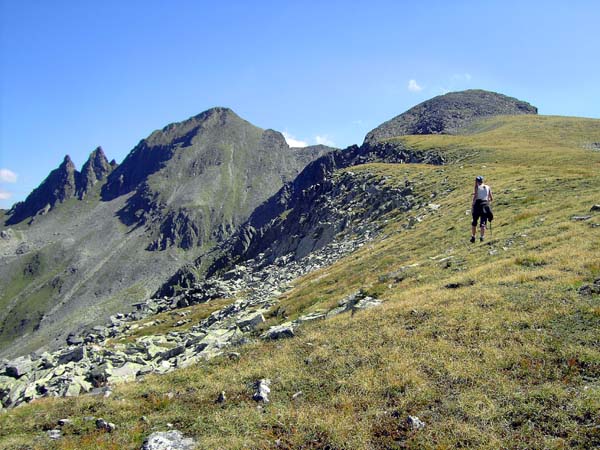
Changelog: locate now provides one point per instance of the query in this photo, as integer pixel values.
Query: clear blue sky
(81, 73)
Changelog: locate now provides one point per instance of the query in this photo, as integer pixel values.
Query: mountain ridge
(114, 232)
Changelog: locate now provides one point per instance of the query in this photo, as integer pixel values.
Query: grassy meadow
(490, 344)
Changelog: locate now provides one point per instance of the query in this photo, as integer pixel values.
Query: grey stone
(127, 372)
(76, 386)
(73, 339)
(102, 424)
(415, 423)
(19, 367)
(63, 422)
(261, 394)
(99, 375)
(168, 440)
(580, 218)
(285, 330)
(250, 321)
(54, 434)
(173, 352)
(366, 303)
(595, 208)
(310, 317)
(75, 354)
(103, 391)
(221, 398)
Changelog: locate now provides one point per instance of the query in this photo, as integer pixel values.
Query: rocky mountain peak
(273, 140)
(95, 169)
(61, 184)
(449, 113)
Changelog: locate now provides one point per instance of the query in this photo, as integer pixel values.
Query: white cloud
(5, 195)
(7, 176)
(324, 140)
(413, 86)
(292, 141)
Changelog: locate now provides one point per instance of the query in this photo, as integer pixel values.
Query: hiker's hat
(479, 178)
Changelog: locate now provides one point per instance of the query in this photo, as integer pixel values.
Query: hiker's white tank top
(483, 192)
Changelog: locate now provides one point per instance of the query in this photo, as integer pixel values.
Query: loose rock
(415, 423)
(169, 440)
(262, 390)
(54, 434)
(102, 424)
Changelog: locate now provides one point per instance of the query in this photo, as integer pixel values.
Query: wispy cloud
(324, 140)
(4, 195)
(413, 86)
(292, 141)
(7, 176)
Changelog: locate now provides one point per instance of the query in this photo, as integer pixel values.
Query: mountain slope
(85, 245)
(491, 345)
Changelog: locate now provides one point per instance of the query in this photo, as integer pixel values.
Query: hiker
(482, 197)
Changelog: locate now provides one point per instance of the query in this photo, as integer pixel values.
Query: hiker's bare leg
(473, 230)
(482, 230)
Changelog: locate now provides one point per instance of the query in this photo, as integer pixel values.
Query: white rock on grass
(415, 423)
(169, 440)
(262, 390)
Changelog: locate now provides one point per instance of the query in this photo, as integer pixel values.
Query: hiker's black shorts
(479, 212)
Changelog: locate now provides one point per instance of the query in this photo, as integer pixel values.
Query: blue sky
(78, 74)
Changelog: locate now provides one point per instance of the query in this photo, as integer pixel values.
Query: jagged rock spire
(95, 169)
(59, 185)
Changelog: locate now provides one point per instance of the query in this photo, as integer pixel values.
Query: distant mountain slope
(449, 113)
(80, 247)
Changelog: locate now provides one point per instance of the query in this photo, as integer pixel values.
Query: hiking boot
(481, 239)
(472, 239)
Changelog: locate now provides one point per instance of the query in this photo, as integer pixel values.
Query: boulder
(19, 367)
(127, 372)
(285, 330)
(261, 394)
(99, 375)
(54, 434)
(73, 339)
(103, 425)
(250, 321)
(168, 440)
(317, 315)
(76, 386)
(415, 423)
(172, 352)
(366, 303)
(75, 354)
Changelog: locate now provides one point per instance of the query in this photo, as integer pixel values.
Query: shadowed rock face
(95, 169)
(449, 113)
(59, 186)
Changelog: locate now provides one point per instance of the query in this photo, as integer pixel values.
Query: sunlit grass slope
(490, 344)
